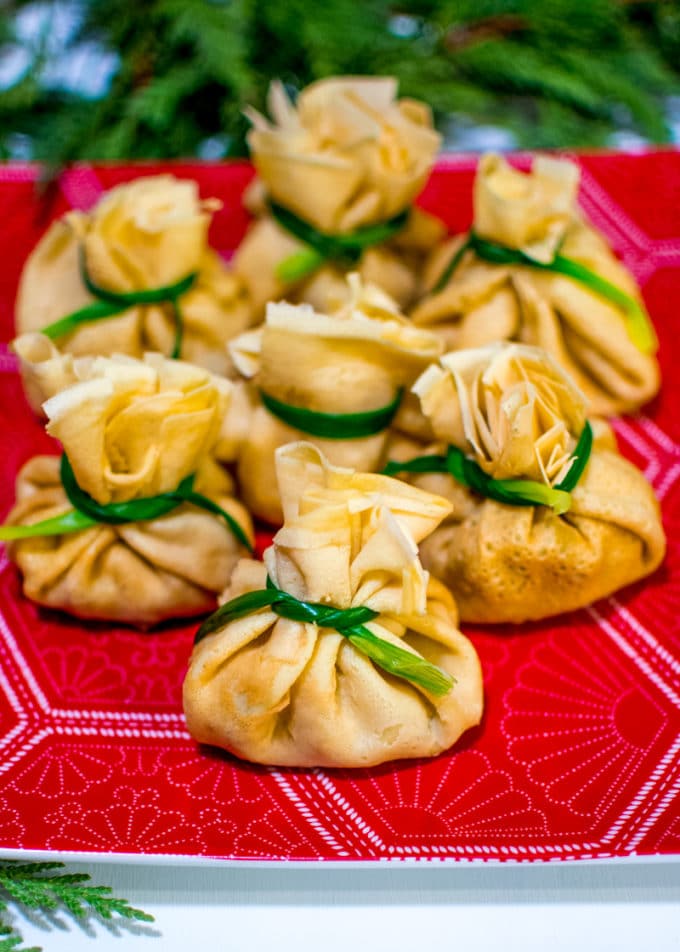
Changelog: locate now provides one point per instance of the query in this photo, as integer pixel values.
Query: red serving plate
(577, 756)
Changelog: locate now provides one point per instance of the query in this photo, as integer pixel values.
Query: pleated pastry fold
(509, 406)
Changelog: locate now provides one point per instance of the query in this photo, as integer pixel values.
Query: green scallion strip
(114, 513)
(419, 464)
(333, 426)
(111, 303)
(71, 521)
(84, 315)
(638, 324)
(349, 622)
(298, 265)
(87, 512)
(449, 270)
(345, 249)
(515, 492)
(512, 492)
(580, 458)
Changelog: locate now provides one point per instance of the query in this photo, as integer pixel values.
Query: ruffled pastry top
(136, 428)
(509, 406)
(348, 154)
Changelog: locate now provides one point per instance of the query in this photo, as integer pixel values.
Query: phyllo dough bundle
(135, 274)
(531, 270)
(336, 379)
(338, 175)
(546, 518)
(136, 523)
(338, 651)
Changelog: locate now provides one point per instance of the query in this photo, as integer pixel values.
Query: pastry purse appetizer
(335, 379)
(135, 274)
(136, 522)
(546, 517)
(531, 270)
(338, 651)
(338, 175)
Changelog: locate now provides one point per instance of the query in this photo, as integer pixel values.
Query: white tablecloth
(551, 908)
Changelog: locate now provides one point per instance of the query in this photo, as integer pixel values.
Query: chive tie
(512, 492)
(112, 303)
(349, 622)
(638, 324)
(87, 512)
(333, 426)
(321, 247)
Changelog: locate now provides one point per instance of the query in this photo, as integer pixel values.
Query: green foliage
(555, 73)
(660, 21)
(37, 887)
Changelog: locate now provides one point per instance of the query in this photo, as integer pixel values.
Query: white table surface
(570, 907)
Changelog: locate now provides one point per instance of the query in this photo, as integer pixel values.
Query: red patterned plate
(577, 757)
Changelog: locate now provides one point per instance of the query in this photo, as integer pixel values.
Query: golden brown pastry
(131, 430)
(148, 234)
(606, 346)
(511, 410)
(348, 156)
(354, 361)
(280, 691)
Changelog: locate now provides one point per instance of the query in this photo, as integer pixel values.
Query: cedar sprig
(36, 886)
(10, 940)
(186, 69)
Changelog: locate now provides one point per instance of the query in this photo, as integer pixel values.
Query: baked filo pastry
(532, 270)
(135, 274)
(335, 379)
(547, 515)
(338, 173)
(339, 650)
(136, 522)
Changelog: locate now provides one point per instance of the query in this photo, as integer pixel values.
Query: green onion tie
(333, 426)
(111, 303)
(349, 622)
(512, 492)
(321, 247)
(87, 512)
(638, 324)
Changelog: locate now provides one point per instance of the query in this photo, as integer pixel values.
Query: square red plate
(577, 757)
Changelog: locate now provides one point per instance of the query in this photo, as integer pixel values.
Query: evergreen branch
(13, 941)
(156, 103)
(188, 67)
(215, 33)
(12, 867)
(548, 124)
(36, 886)
(493, 27)
(10, 939)
(621, 86)
(528, 71)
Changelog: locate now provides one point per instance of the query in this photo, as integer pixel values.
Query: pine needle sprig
(10, 940)
(186, 68)
(38, 887)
